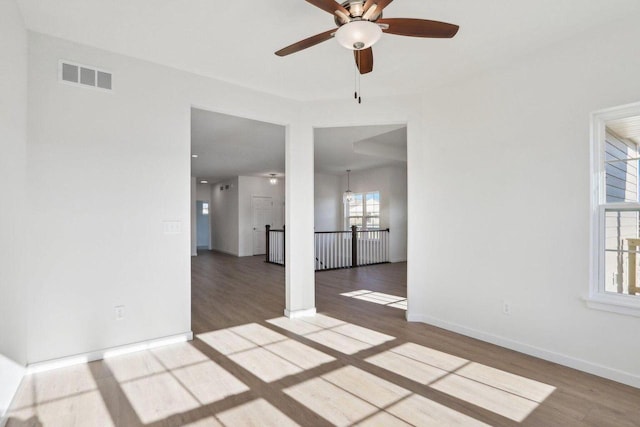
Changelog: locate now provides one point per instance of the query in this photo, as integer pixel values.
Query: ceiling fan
(360, 25)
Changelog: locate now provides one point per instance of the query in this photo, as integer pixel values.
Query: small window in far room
(205, 208)
(363, 211)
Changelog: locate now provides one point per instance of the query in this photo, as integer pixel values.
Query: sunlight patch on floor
(265, 353)
(420, 411)
(351, 396)
(208, 382)
(257, 412)
(174, 381)
(378, 298)
(503, 393)
(171, 380)
(333, 333)
(66, 411)
(158, 396)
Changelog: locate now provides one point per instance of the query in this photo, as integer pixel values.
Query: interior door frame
(254, 228)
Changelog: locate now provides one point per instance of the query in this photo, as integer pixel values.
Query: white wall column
(194, 235)
(299, 270)
(13, 225)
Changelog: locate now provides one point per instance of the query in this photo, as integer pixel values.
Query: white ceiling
(234, 40)
(229, 146)
(335, 152)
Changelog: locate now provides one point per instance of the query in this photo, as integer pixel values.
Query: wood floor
(357, 363)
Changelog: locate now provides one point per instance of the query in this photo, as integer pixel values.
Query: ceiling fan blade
(419, 28)
(382, 4)
(364, 60)
(306, 43)
(329, 6)
(368, 4)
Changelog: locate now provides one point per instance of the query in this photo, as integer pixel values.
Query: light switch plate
(172, 227)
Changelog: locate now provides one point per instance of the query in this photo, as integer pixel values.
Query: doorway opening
(237, 168)
(203, 226)
(360, 208)
(238, 190)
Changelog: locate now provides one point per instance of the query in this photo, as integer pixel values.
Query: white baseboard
(561, 359)
(107, 352)
(226, 252)
(296, 314)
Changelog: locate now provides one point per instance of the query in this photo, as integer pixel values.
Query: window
(205, 208)
(615, 236)
(363, 211)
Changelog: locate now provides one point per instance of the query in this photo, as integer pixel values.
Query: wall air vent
(83, 75)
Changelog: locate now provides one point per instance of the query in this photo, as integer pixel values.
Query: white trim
(597, 298)
(296, 314)
(107, 352)
(614, 303)
(562, 359)
(11, 377)
(226, 252)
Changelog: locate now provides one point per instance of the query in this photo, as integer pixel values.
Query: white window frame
(364, 211)
(597, 297)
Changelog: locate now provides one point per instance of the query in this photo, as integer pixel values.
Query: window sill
(620, 304)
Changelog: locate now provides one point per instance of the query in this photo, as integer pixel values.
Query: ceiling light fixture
(348, 195)
(204, 182)
(195, 156)
(358, 34)
(273, 180)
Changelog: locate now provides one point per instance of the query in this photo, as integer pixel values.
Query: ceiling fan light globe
(358, 35)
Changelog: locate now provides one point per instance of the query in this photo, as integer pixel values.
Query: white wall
(518, 198)
(194, 231)
(134, 145)
(249, 186)
(391, 182)
(232, 212)
(504, 188)
(203, 192)
(224, 217)
(299, 239)
(13, 140)
(327, 197)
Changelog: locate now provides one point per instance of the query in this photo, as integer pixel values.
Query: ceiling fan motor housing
(360, 25)
(356, 10)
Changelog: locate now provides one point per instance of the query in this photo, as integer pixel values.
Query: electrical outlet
(506, 308)
(119, 311)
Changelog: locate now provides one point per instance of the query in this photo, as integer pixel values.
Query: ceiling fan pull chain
(355, 82)
(359, 77)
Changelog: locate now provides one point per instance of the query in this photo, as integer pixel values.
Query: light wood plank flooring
(357, 363)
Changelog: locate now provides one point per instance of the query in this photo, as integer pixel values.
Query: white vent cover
(83, 75)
